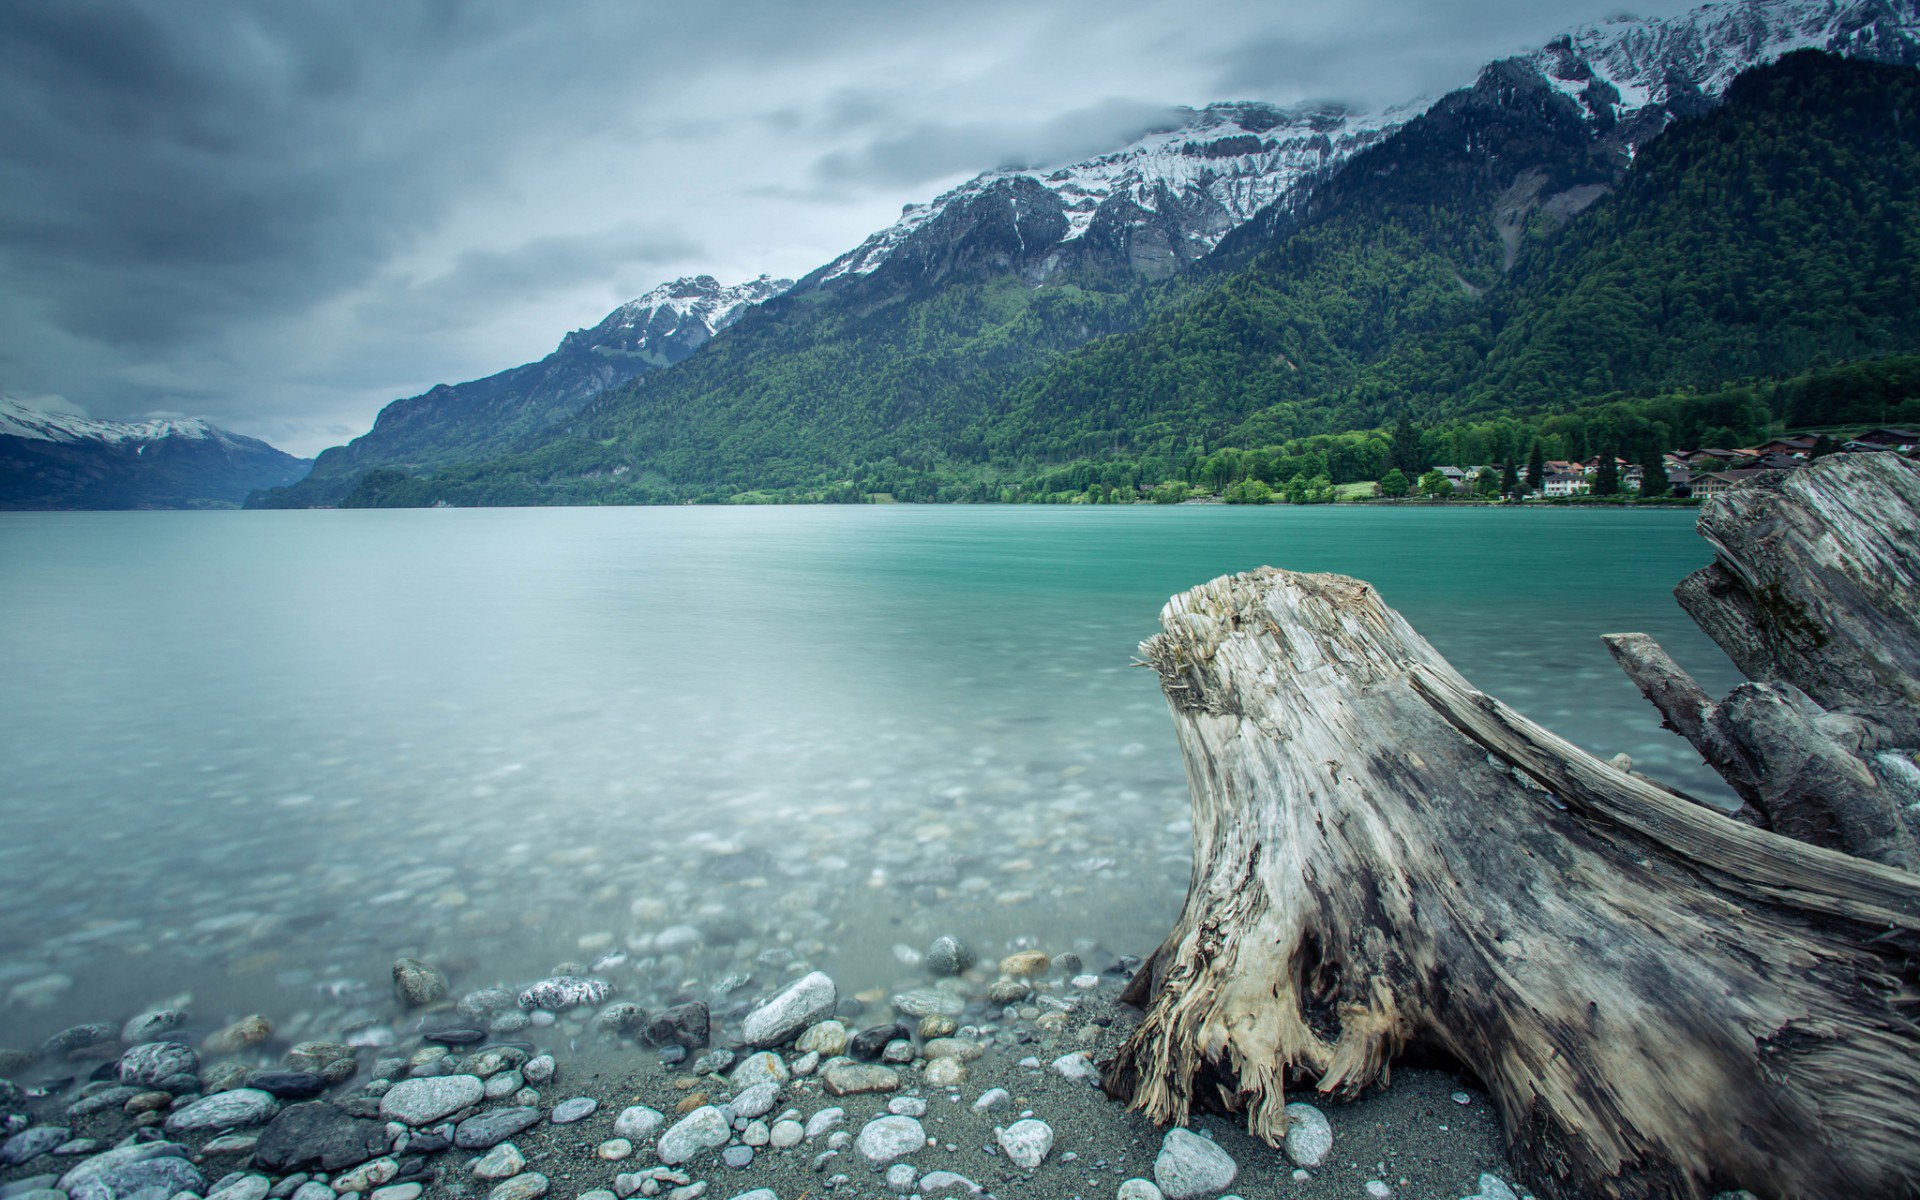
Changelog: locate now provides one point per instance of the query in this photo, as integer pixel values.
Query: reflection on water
(250, 758)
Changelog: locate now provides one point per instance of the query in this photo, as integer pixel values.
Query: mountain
(1147, 209)
(56, 460)
(950, 346)
(1763, 237)
(466, 420)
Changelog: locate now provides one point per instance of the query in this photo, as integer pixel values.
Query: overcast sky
(281, 215)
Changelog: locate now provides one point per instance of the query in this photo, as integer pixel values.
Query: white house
(1565, 484)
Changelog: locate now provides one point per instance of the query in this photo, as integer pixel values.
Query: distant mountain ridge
(51, 460)
(452, 422)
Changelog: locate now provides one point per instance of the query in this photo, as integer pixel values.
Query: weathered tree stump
(1661, 1000)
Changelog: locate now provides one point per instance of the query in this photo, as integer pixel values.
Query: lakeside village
(1682, 474)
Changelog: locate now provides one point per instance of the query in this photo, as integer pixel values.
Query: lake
(250, 758)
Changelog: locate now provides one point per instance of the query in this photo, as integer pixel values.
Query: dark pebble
(868, 1043)
(689, 1025)
(288, 1085)
(318, 1134)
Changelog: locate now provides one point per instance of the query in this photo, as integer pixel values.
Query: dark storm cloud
(282, 214)
(935, 150)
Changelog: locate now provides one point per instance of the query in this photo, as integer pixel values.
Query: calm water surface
(251, 757)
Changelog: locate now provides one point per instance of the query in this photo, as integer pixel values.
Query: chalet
(1455, 476)
(1773, 460)
(1800, 445)
(1565, 483)
(1897, 441)
(1712, 485)
(1695, 459)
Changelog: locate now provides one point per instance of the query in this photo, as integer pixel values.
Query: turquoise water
(251, 757)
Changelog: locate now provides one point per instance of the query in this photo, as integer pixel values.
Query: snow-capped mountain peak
(690, 309)
(1625, 68)
(21, 421)
(1221, 164)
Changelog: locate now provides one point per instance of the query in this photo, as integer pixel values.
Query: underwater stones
(424, 1101)
(618, 1020)
(318, 1135)
(249, 1030)
(870, 1044)
(31, 1144)
(80, 1037)
(455, 1035)
(16, 1060)
(827, 1039)
(562, 992)
(486, 1002)
(802, 1003)
(150, 1024)
(577, 1109)
(155, 1062)
(334, 1062)
(1008, 991)
(948, 956)
(1025, 964)
(416, 983)
(945, 1073)
(965, 1049)
(844, 1078)
(287, 1085)
(151, 1169)
(492, 1061)
(928, 1002)
(688, 1025)
(236, 1109)
(540, 1069)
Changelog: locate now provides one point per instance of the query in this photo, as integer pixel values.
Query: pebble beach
(973, 1079)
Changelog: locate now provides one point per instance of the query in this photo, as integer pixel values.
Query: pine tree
(1406, 449)
(1606, 480)
(1510, 481)
(1536, 466)
(1653, 472)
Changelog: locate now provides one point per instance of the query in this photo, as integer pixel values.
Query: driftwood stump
(1662, 1001)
